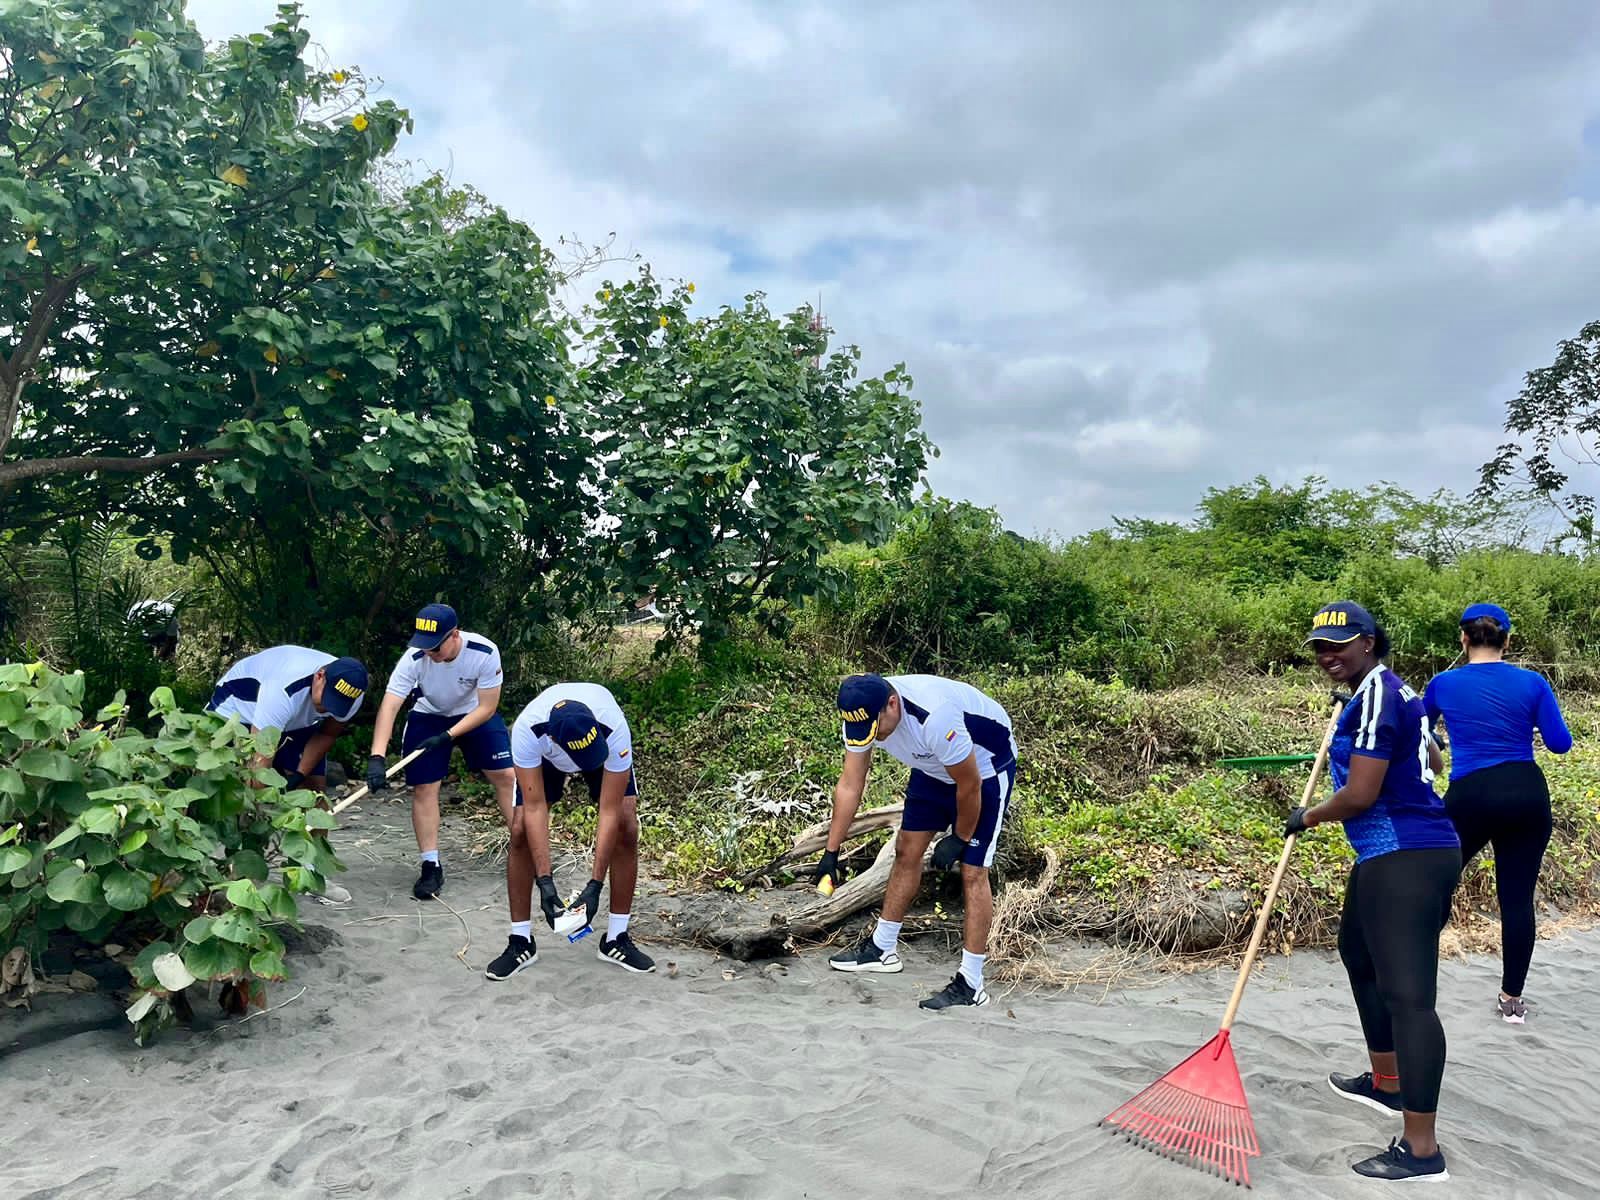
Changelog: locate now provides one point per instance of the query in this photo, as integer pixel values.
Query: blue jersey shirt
(1386, 720)
(1491, 710)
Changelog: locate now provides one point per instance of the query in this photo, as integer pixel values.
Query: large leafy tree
(215, 323)
(739, 448)
(1556, 417)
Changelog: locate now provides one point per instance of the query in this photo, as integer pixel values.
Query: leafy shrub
(159, 841)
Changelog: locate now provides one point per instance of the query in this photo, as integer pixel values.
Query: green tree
(738, 449)
(1556, 416)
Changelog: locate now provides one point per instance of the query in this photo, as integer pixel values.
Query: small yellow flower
(340, 77)
(360, 122)
(691, 287)
(549, 401)
(663, 320)
(33, 244)
(606, 296)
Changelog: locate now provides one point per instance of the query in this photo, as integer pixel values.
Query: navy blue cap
(861, 699)
(434, 623)
(1342, 621)
(344, 683)
(573, 727)
(1501, 617)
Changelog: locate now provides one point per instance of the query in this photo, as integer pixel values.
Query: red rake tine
(1198, 1111)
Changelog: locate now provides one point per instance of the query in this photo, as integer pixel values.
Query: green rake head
(1267, 762)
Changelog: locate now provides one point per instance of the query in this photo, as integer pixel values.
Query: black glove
(377, 779)
(549, 900)
(293, 780)
(948, 852)
(829, 867)
(1339, 697)
(1296, 824)
(590, 899)
(437, 740)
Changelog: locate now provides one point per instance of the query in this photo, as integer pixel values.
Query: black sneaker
(625, 954)
(957, 992)
(1363, 1090)
(1399, 1165)
(866, 956)
(429, 882)
(520, 952)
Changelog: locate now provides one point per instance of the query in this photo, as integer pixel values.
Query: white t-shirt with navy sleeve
(532, 744)
(272, 689)
(942, 721)
(448, 689)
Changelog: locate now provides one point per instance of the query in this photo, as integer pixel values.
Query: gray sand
(400, 1072)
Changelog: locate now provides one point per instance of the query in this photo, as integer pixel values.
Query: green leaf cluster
(159, 840)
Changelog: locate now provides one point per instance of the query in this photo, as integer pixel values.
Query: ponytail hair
(1380, 642)
(1484, 631)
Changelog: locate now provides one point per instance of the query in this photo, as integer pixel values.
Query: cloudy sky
(1129, 250)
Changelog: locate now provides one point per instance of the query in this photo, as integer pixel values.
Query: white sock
(522, 929)
(886, 936)
(972, 968)
(616, 925)
(430, 856)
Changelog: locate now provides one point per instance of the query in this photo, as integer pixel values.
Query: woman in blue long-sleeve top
(1497, 793)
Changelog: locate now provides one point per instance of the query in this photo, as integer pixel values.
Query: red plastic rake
(1198, 1110)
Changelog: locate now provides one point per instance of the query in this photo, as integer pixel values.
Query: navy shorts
(291, 747)
(486, 748)
(931, 806)
(555, 781)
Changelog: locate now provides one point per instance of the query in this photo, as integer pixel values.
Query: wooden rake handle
(1277, 876)
(361, 792)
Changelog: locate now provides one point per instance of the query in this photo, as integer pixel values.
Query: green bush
(158, 841)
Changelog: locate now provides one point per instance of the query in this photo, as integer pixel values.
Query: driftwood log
(815, 839)
(744, 931)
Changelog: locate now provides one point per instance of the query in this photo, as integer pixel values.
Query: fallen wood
(811, 841)
(750, 936)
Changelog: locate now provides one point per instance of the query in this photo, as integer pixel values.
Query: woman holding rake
(1408, 861)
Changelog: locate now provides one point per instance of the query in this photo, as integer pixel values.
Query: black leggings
(1394, 907)
(1507, 805)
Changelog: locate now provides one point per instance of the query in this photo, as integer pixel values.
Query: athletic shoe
(867, 956)
(1362, 1090)
(429, 882)
(625, 954)
(1513, 1011)
(956, 993)
(520, 952)
(1397, 1164)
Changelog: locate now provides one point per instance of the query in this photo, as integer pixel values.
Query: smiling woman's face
(1344, 661)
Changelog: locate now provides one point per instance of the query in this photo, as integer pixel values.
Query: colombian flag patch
(951, 736)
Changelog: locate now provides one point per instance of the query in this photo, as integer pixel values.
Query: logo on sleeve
(951, 736)
(624, 754)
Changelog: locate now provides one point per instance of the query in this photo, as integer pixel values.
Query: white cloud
(1110, 241)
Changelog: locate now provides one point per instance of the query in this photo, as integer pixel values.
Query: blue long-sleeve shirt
(1492, 709)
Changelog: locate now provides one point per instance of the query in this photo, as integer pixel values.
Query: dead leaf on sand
(730, 975)
(672, 970)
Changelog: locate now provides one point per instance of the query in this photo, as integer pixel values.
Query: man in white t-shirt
(573, 729)
(307, 695)
(963, 759)
(455, 679)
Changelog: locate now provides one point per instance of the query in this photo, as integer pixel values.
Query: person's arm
(1359, 793)
(488, 703)
(1551, 724)
(534, 813)
(319, 745)
(383, 723)
(969, 796)
(1430, 705)
(847, 795)
(612, 786)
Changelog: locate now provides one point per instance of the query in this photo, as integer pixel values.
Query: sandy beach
(396, 1070)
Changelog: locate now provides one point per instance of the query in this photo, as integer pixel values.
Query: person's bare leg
(425, 816)
(905, 877)
(979, 900)
(624, 874)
